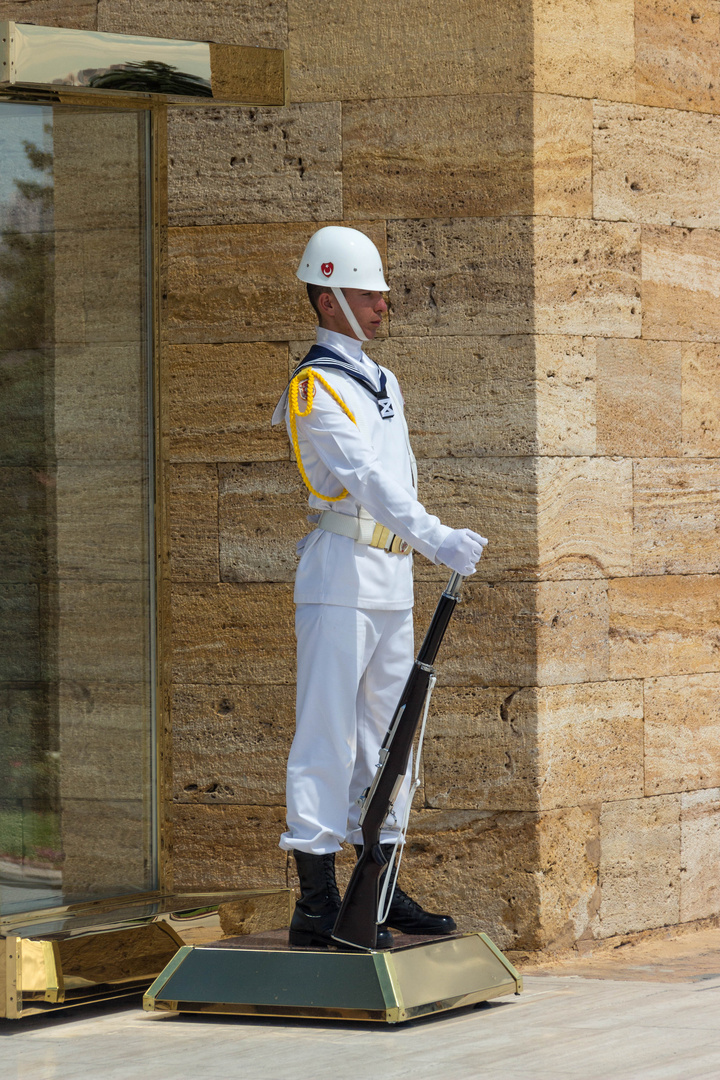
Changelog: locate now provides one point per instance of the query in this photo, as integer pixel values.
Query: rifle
(357, 920)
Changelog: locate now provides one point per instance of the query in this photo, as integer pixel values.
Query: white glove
(461, 550)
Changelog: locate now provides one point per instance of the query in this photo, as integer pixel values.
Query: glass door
(77, 786)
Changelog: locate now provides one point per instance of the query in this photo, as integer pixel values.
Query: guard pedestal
(259, 975)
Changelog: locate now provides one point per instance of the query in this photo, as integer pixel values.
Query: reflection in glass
(75, 611)
(42, 55)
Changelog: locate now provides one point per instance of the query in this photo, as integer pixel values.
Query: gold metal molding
(389, 986)
(93, 952)
(88, 62)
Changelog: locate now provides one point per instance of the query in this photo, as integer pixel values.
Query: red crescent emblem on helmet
(327, 269)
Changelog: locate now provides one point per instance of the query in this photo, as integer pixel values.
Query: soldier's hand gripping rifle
(357, 920)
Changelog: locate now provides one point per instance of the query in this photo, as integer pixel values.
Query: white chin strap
(347, 312)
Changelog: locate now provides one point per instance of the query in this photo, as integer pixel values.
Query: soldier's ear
(326, 303)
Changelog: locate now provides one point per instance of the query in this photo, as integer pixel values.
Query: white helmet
(343, 258)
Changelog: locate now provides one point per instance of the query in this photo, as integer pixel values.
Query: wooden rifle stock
(357, 919)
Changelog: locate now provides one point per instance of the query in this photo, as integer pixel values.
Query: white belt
(363, 530)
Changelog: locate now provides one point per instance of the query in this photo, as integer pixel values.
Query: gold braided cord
(295, 412)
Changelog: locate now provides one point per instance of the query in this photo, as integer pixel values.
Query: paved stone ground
(644, 1011)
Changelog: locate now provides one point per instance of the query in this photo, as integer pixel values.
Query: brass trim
(153, 991)
(390, 986)
(55, 991)
(253, 76)
(504, 960)
(40, 60)
(12, 977)
(405, 983)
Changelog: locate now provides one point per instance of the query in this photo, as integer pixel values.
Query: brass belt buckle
(390, 542)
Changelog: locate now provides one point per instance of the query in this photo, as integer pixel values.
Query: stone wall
(542, 180)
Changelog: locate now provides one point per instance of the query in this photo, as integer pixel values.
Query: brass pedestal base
(259, 975)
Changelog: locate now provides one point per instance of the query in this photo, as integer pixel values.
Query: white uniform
(354, 602)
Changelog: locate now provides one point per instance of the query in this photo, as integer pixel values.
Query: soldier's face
(368, 308)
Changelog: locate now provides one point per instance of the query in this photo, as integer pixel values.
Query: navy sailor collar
(323, 356)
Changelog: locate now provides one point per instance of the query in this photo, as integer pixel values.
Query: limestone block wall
(542, 179)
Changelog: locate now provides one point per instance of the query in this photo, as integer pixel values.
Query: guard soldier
(354, 587)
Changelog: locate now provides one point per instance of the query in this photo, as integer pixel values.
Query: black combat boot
(316, 910)
(406, 915)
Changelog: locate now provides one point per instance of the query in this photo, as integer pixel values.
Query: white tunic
(373, 461)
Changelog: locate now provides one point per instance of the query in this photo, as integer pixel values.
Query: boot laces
(331, 888)
(402, 900)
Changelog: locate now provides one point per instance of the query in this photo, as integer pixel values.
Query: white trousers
(352, 667)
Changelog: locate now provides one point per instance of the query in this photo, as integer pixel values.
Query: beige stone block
(262, 515)
(496, 497)
(498, 396)
(571, 644)
(666, 625)
(192, 503)
(100, 402)
(238, 283)
(639, 864)
(106, 844)
(562, 159)
(258, 164)
(465, 396)
(544, 517)
(655, 166)
(104, 741)
(219, 847)
(569, 855)
(424, 157)
(233, 634)
(534, 748)
(476, 276)
(102, 631)
(700, 841)
(476, 754)
(230, 743)
(221, 401)
(367, 50)
(585, 50)
(677, 50)
(590, 741)
(460, 277)
(234, 22)
(584, 517)
(682, 745)
(638, 397)
(521, 633)
(467, 156)
(491, 637)
(474, 865)
(565, 392)
(99, 287)
(97, 169)
(680, 283)
(528, 880)
(676, 516)
(701, 400)
(587, 277)
(254, 914)
(102, 521)
(70, 14)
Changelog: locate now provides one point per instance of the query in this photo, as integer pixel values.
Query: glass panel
(76, 671)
